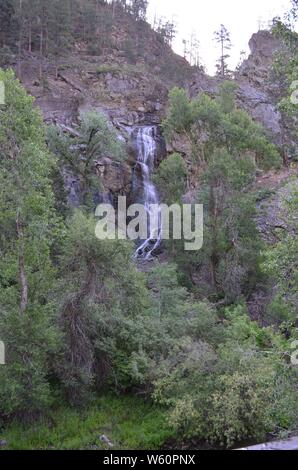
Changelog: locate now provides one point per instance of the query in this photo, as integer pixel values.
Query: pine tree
(222, 37)
(139, 9)
(6, 21)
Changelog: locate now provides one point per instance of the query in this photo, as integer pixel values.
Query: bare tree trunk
(41, 52)
(222, 59)
(46, 48)
(30, 37)
(214, 254)
(20, 40)
(114, 9)
(22, 272)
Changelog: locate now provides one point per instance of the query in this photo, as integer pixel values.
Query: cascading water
(146, 148)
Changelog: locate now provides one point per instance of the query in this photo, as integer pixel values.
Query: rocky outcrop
(257, 91)
(130, 94)
(256, 69)
(115, 177)
(273, 219)
(133, 94)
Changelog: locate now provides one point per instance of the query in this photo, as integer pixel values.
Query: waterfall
(146, 148)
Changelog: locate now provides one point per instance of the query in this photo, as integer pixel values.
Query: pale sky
(241, 18)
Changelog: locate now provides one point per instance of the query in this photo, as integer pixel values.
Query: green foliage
(29, 228)
(226, 145)
(171, 178)
(212, 124)
(226, 97)
(26, 197)
(180, 115)
(284, 74)
(99, 138)
(281, 264)
(6, 56)
(286, 65)
(76, 315)
(229, 379)
(30, 341)
(239, 388)
(93, 141)
(231, 243)
(128, 421)
(146, 339)
(102, 294)
(8, 26)
(63, 23)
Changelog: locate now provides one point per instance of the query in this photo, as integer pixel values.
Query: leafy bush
(240, 388)
(213, 124)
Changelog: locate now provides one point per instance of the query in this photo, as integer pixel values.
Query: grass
(128, 422)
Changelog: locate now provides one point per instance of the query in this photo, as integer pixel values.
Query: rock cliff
(135, 92)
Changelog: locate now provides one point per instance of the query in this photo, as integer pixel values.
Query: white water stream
(145, 142)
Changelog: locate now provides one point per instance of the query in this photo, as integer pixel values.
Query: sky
(241, 17)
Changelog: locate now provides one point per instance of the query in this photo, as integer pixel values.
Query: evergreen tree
(167, 30)
(29, 227)
(139, 9)
(222, 37)
(102, 295)
(171, 178)
(81, 154)
(222, 147)
(6, 19)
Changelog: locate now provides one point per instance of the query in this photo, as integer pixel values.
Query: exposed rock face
(273, 216)
(181, 144)
(260, 105)
(115, 177)
(263, 46)
(273, 221)
(131, 95)
(257, 92)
